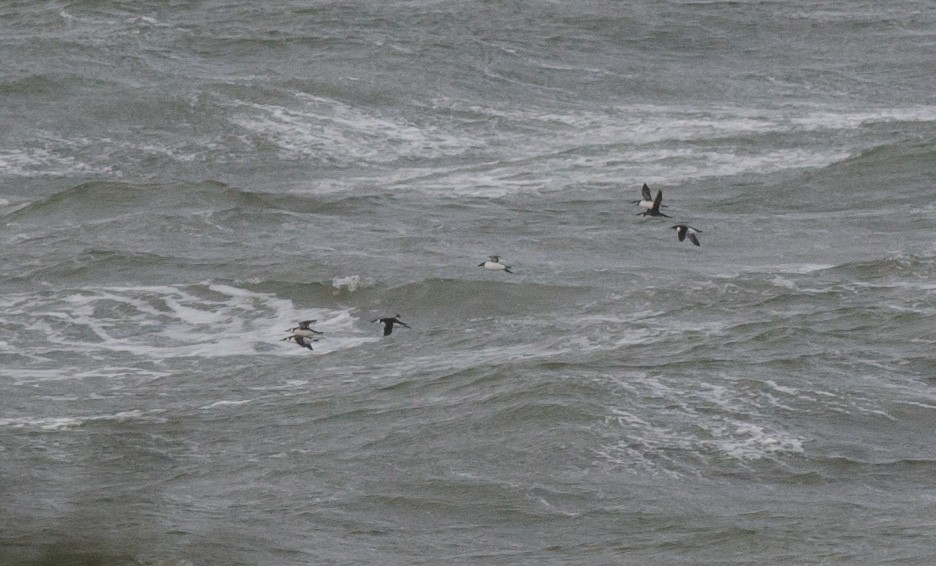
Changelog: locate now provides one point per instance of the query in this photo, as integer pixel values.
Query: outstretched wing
(645, 192)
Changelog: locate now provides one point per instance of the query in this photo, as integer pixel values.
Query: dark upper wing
(694, 239)
(657, 201)
(645, 192)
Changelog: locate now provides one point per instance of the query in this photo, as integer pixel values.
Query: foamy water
(180, 184)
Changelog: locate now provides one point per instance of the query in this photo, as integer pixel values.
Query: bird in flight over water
(388, 323)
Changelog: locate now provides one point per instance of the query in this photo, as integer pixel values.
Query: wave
(868, 185)
(35, 161)
(682, 424)
(109, 199)
(84, 202)
(64, 423)
(165, 322)
(901, 269)
(480, 298)
(333, 133)
(123, 201)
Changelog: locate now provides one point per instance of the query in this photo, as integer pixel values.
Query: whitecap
(60, 423)
(164, 322)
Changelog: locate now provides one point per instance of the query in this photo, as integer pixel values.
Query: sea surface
(181, 182)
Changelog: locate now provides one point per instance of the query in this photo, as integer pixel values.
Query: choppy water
(182, 182)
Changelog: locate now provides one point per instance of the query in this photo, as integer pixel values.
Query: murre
(495, 264)
(683, 230)
(647, 200)
(304, 329)
(655, 209)
(388, 323)
(301, 340)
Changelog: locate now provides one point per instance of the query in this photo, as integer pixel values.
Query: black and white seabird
(388, 323)
(304, 329)
(300, 339)
(683, 230)
(495, 264)
(647, 200)
(655, 209)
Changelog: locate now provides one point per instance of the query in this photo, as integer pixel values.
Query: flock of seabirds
(304, 334)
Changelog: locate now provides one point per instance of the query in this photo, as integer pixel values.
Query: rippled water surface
(180, 183)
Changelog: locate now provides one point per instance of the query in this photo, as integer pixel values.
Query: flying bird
(304, 329)
(494, 263)
(647, 200)
(655, 209)
(388, 323)
(301, 340)
(683, 230)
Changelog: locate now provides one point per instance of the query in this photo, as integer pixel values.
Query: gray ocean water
(180, 182)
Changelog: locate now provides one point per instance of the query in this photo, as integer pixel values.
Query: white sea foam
(217, 404)
(351, 283)
(59, 423)
(852, 120)
(163, 322)
(801, 267)
(657, 144)
(705, 420)
(340, 134)
(30, 162)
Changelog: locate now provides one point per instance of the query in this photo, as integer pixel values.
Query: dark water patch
(83, 203)
(45, 85)
(886, 181)
(858, 467)
(426, 504)
(102, 200)
(221, 198)
(892, 178)
(94, 266)
(359, 201)
(215, 196)
(464, 299)
(31, 550)
(899, 269)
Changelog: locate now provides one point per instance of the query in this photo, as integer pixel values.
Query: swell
(880, 181)
(99, 265)
(863, 318)
(900, 268)
(470, 298)
(435, 302)
(109, 199)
